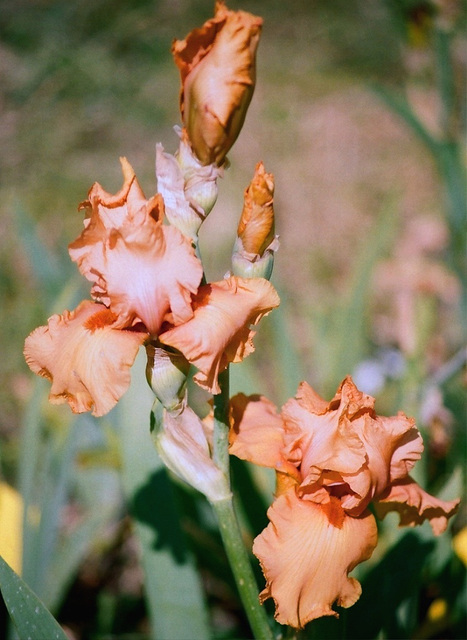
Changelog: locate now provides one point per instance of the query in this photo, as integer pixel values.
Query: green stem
(228, 523)
(221, 424)
(241, 568)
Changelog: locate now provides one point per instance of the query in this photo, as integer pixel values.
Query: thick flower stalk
(331, 460)
(217, 64)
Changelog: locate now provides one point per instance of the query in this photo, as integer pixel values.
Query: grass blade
(29, 614)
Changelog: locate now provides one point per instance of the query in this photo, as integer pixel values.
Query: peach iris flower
(331, 460)
(142, 269)
(85, 357)
(219, 331)
(217, 64)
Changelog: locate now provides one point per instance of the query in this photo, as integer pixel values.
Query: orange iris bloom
(331, 460)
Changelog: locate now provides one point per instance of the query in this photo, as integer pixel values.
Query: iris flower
(331, 460)
(143, 273)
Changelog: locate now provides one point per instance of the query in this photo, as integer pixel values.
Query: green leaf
(31, 618)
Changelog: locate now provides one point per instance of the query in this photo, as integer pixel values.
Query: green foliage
(30, 616)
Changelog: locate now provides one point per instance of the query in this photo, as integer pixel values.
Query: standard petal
(257, 433)
(415, 505)
(219, 331)
(320, 436)
(306, 553)
(141, 269)
(87, 360)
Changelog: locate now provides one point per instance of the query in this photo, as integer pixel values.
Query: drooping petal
(85, 357)
(141, 269)
(217, 68)
(415, 505)
(257, 433)
(307, 552)
(219, 331)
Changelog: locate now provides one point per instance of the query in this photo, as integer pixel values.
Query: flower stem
(228, 523)
(241, 568)
(221, 424)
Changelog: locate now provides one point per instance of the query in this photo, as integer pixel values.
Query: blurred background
(358, 112)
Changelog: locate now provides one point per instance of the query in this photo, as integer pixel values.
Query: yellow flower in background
(331, 459)
(11, 526)
(217, 64)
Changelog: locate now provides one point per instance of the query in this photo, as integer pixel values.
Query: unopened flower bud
(183, 446)
(217, 64)
(166, 373)
(253, 254)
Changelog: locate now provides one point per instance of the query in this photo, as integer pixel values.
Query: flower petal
(87, 360)
(141, 269)
(346, 446)
(415, 505)
(306, 553)
(319, 434)
(219, 331)
(257, 433)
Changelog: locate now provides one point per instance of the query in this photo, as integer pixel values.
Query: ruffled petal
(415, 505)
(219, 331)
(306, 553)
(257, 433)
(346, 447)
(320, 436)
(87, 360)
(141, 269)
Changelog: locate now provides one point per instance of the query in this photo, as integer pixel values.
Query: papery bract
(331, 460)
(85, 356)
(219, 331)
(217, 64)
(141, 268)
(182, 443)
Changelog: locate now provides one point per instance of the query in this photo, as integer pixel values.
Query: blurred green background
(359, 113)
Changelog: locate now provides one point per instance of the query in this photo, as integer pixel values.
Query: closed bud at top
(253, 254)
(217, 64)
(166, 373)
